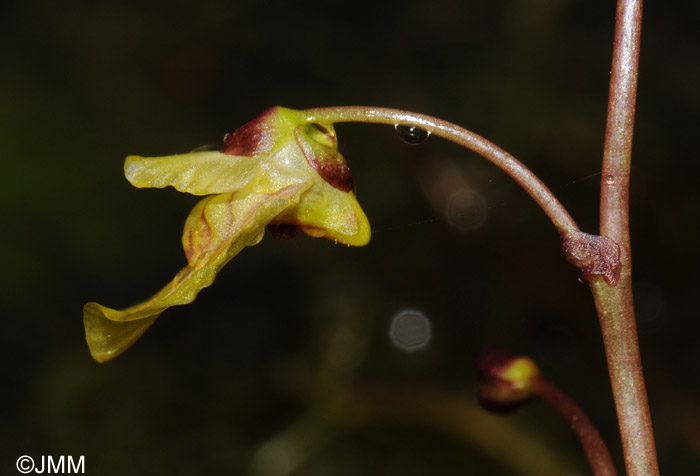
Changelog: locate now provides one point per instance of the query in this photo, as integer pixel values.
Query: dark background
(275, 368)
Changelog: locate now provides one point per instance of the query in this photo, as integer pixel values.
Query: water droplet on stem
(411, 135)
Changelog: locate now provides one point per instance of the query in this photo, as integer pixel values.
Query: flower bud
(505, 380)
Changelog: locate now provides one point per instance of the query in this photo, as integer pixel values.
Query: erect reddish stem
(614, 303)
(593, 445)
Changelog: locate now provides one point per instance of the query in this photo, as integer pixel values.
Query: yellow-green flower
(278, 170)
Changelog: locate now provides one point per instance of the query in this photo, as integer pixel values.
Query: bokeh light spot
(466, 209)
(410, 330)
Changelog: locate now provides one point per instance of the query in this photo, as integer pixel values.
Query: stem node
(594, 255)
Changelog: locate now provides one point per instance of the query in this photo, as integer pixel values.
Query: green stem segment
(614, 303)
(593, 445)
(452, 132)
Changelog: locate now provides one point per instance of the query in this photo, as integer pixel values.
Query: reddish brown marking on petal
(327, 161)
(198, 238)
(286, 228)
(594, 255)
(252, 138)
(189, 249)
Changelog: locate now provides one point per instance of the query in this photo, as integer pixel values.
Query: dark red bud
(504, 380)
(320, 147)
(252, 138)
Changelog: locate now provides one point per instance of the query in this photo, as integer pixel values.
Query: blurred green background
(285, 365)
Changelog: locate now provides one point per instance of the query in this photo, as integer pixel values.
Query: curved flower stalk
(278, 171)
